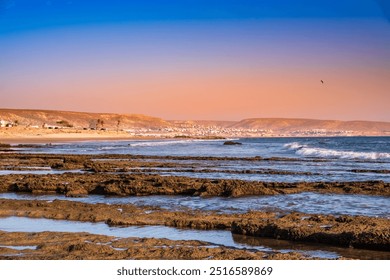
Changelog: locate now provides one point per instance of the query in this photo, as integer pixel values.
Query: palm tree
(117, 125)
(99, 124)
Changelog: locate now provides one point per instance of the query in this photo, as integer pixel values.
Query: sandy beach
(15, 135)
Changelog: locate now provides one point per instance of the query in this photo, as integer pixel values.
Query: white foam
(158, 143)
(293, 146)
(170, 142)
(108, 148)
(304, 150)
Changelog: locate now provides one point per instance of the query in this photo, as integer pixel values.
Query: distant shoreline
(82, 136)
(17, 135)
(49, 125)
(22, 135)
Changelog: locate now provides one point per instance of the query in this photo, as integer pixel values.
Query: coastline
(17, 135)
(108, 176)
(45, 136)
(21, 135)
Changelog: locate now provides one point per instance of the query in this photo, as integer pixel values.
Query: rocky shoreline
(133, 175)
(108, 175)
(346, 231)
(84, 246)
(81, 184)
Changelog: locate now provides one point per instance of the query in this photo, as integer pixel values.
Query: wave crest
(172, 142)
(304, 150)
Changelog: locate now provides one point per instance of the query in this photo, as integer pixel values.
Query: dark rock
(232, 143)
(2, 145)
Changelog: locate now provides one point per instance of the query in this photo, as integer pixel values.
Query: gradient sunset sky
(198, 59)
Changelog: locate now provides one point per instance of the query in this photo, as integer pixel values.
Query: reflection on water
(313, 249)
(219, 237)
(19, 248)
(22, 224)
(39, 172)
(307, 202)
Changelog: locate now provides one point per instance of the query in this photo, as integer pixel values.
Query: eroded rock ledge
(73, 184)
(84, 246)
(346, 231)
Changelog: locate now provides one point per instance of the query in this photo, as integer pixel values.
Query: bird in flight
(322, 81)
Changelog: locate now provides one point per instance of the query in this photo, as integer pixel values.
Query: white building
(3, 123)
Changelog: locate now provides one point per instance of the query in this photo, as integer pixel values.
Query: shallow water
(355, 148)
(216, 237)
(307, 202)
(335, 176)
(21, 224)
(327, 158)
(19, 248)
(39, 172)
(315, 248)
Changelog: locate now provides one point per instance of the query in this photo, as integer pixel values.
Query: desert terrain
(32, 125)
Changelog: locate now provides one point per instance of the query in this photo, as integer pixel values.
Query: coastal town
(36, 123)
(181, 129)
(215, 131)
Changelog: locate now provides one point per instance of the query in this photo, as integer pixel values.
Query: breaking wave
(304, 150)
(170, 142)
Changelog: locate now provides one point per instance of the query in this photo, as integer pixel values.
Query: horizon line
(214, 120)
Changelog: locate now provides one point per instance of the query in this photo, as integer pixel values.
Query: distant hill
(289, 125)
(274, 126)
(79, 119)
(204, 123)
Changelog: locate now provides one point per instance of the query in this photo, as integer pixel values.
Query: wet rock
(35, 146)
(4, 146)
(358, 232)
(232, 143)
(361, 232)
(142, 184)
(347, 231)
(84, 246)
(76, 192)
(382, 171)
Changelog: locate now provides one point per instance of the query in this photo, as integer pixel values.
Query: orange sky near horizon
(204, 74)
(225, 94)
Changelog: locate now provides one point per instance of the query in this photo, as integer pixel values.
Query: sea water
(283, 160)
(287, 159)
(214, 237)
(306, 202)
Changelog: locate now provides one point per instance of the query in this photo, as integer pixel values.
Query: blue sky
(187, 59)
(22, 15)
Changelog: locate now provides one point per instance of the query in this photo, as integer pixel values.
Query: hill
(42, 118)
(291, 125)
(202, 123)
(141, 124)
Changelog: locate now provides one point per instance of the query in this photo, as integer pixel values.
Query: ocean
(298, 159)
(324, 159)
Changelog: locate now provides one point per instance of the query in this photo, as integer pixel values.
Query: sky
(198, 59)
